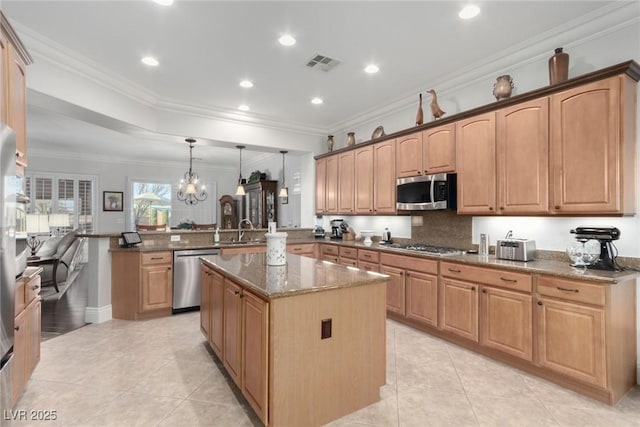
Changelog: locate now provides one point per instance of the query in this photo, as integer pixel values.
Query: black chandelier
(191, 190)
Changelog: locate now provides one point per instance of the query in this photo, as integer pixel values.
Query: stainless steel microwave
(427, 192)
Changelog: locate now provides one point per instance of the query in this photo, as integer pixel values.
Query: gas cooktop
(432, 250)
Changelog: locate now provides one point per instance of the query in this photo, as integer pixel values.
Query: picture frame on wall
(112, 201)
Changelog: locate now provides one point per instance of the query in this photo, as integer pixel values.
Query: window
(68, 200)
(151, 203)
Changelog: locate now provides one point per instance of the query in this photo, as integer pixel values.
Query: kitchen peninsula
(304, 342)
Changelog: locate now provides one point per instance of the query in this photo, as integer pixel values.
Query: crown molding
(596, 24)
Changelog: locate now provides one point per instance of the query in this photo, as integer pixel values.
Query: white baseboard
(97, 314)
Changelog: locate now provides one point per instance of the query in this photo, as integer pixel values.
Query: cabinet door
(585, 148)
(459, 308)
(254, 207)
(476, 164)
(422, 297)
(321, 178)
(232, 348)
(571, 340)
(346, 182)
(523, 158)
(4, 84)
(18, 104)
(409, 155)
(216, 296)
(205, 301)
(507, 321)
(19, 371)
(395, 289)
(331, 189)
(255, 333)
(384, 177)
(439, 149)
(364, 180)
(157, 289)
(33, 337)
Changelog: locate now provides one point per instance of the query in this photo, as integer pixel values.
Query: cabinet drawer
(348, 253)
(368, 256)
(502, 278)
(307, 248)
(32, 289)
(150, 258)
(571, 290)
(19, 296)
(368, 266)
(329, 250)
(348, 262)
(409, 263)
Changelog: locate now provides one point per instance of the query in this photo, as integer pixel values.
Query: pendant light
(191, 190)
(240, 189)
(284, 191)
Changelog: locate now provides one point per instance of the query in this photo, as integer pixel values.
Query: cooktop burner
(435, 250)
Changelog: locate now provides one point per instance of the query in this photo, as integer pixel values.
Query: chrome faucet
(240, 230)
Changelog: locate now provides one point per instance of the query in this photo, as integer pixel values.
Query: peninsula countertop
(299, 275)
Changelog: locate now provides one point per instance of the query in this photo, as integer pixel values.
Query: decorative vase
(558, 67)
(330, 143)
(420, 114)
(351, 138)
(502, 87)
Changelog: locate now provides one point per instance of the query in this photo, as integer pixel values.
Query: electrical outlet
(175, 238)
(325, 329)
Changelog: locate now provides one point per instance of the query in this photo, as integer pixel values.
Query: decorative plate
(378, 132)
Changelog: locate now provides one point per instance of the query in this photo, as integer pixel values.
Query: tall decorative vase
(558, 67)
(330, 143)
(351, 138)
(420, 114)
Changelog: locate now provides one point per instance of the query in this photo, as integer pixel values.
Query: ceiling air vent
(322, 62)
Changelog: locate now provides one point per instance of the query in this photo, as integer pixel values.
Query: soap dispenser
(216, 236)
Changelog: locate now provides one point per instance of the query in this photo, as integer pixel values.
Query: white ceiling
(206, 48)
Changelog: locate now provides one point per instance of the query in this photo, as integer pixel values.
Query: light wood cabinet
(439, 149)
(593, 148)
(216, 315)
(346, 182)
(141, 284)
(232, 336)
(523, 158)
(364, 180)
(476, 164)
(157, 282)
(304, 249)
(205, 300)
(331, 186)
(409, 155)
(459, 308)
(506, 322)
(422, 297)
(255, 353)
(329, 253)
(395, 289)
(243, 249)
(384, 177)
(27, 332)
(321, 184)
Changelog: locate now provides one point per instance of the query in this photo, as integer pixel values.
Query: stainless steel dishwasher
(186, 278)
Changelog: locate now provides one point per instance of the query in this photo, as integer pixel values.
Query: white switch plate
(175, 238)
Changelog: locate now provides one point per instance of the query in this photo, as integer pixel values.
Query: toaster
(516, 249)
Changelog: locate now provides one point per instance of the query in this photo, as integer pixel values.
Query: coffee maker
(338, 226)
(604, 235)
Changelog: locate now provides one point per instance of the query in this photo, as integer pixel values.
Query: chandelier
(191, 190)
(240, 189)
(284, 191)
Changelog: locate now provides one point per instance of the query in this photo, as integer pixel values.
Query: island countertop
(299, 275)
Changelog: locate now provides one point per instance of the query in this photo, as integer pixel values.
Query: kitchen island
(304, 342)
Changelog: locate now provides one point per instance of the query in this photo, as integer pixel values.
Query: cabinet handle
(473, 288)
(34, 287)
(504, 279)
(168, 268)
(539, 302)
(408, 274)
(419, 172)
(236, 293)
(484, 291)
(557, 207)
(490, 208)
(366, 256)
(156, 257)
(455, 270)
(567, 289)
(17, 328)
(501, 208)
(426, 172)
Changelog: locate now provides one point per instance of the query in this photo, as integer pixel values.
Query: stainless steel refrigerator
(7, 263)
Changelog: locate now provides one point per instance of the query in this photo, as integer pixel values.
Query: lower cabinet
(232, 346)
(459, 308)
(328, 253)
(305, 249)
(206, 278)
(395, 289)
(422, 297)
(27, 331)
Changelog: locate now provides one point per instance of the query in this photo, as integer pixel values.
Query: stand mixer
(604, 235)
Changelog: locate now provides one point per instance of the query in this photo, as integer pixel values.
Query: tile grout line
(473, 409)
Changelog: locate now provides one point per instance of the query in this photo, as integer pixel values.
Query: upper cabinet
(426, 152)
(346, 182)
(364, 175)
(13, 91)
(321, 184)
(593, 148)
(384, 177)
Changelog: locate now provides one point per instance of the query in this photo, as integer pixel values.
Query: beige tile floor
(160, 373)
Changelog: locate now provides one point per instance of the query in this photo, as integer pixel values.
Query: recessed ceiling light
(371, 69)
(317, 101)
(243, 107)
(164, 2)
(246, 83)
(150, 61)
(287, 40)
(469, 11)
